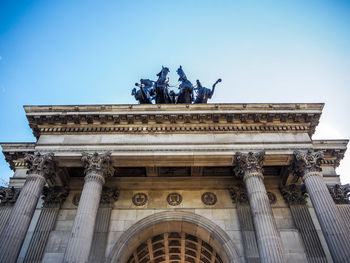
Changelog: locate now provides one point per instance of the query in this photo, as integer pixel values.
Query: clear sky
(92, 52)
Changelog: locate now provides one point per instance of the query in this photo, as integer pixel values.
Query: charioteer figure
(146, 92)
(159, 90)
(203, 93)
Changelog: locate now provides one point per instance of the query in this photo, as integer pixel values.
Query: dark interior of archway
(175, 247)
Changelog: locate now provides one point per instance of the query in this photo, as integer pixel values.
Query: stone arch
(174, 221)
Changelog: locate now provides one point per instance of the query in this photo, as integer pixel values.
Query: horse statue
(161, 87)
(185, 94)
(146, 91)
(203, 93)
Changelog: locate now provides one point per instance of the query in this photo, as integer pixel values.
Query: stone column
(307, 166)
(8, 197)
(80, 240)
(249, 166)
(295, 197)
(41, 167)
(99, 242)
(53, 198)
(341, 197)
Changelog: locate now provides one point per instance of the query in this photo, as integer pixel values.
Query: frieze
(139, 199)
(8, 195)
(132, 118)
(340, 193)
(174, 199)
(209, 198)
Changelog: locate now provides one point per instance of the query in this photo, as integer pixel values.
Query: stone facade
(175, 183)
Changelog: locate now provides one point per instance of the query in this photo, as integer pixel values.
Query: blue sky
(91, 52)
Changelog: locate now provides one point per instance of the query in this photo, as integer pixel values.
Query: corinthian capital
(249, 163)
(109, 195)
(340, 193)
(8, 195)
(54, 196)
(306, 162)
(96, 163)
(41, 164)
(294, 195)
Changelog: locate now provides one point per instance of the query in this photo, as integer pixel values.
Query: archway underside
(175, 247)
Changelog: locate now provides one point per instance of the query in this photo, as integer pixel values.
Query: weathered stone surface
(80, 241)
(41, 167)
(196, 137)
(337, 235)
(249, 166)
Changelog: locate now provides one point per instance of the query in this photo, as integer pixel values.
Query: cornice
(333, 150)
(224, 118)
(15, 152)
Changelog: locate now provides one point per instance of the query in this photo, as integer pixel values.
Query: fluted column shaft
(80, 240)
(332, 224)
(308, 166)
(53, 198)
(15, 229)
(40, 168)
(249, 166)
(267, 235)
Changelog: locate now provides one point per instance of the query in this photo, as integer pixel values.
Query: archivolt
(174, 221)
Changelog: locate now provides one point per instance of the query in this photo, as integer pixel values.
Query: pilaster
(53, 198)
(295, 197)
(99, 242)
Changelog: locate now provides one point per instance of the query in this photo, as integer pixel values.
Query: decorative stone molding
(294, 195)
(272, 197)
(8, 195)
(250, 163)
(109, 196)
(54, 196)
(97, 164)
(209, 198)
(76, 199)
(41, 164)
(141, 118)
(307, 162)
(123, 248)
(340, 193)
(239, 195)
(139, 199)
(174, 199)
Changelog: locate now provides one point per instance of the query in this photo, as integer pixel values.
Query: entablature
(164, 157)
(179, 118)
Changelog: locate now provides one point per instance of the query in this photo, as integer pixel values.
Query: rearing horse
(161, 87)
(185, 94)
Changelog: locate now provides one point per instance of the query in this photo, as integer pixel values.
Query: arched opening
(172, 236)
(175, 247)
